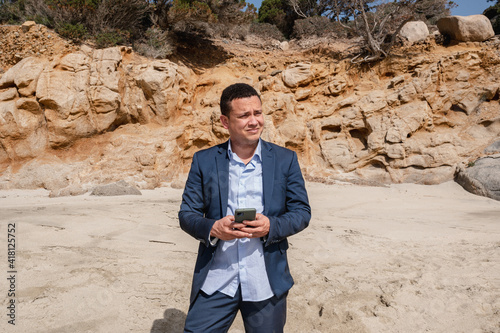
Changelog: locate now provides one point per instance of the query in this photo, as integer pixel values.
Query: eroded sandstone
(99, 116)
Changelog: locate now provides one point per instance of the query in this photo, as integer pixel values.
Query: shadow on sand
(172, 322)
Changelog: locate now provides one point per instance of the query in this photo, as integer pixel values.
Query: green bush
(45, 20)
(12, 12)
(75, 32)
(77, 5)
(119, 15)
(493, 13)
(111, 38)
(278, 13)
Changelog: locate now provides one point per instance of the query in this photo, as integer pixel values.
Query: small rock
(395, 81)
(26, 26)
(178, 184)
(302, 94)
(119, 188)
(72, 190)
(284, 46)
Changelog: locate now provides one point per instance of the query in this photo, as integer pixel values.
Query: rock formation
(88, 117)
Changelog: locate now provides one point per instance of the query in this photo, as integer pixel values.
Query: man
(242, 266)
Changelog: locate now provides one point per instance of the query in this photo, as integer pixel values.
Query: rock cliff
(75, 116)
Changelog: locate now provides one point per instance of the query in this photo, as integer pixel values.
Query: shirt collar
(257, 154)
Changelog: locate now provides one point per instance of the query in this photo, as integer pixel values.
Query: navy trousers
(216, 313)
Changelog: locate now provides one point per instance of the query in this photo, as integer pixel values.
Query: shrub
(318, 26)
(45, 20)
(156, 43)
(234, 12)
(72, 31)
(228, 31)
(107, 21)
(11, 12)
(119, 15)
(266, 30)
(493, 13)
(278, 13)
(67, 17)
(190, 12)
(111, 38)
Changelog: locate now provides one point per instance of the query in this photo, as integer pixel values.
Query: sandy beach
(402, 258)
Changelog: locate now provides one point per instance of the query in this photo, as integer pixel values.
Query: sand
(403, 258)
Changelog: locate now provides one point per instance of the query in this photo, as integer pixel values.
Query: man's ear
(225, 121)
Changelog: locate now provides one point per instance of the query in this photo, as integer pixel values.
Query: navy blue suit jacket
(285, 204)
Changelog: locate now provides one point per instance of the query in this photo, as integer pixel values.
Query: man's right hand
(226, 229)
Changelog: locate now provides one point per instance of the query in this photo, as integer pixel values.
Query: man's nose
(253, 120)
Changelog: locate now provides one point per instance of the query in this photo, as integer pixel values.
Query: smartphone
(244, 214)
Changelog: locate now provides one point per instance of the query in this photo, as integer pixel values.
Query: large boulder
(482, 177)
(415, 31)
(474, 28)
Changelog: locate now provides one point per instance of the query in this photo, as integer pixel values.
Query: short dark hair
(235, 91)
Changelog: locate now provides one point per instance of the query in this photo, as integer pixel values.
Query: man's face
(245, 122)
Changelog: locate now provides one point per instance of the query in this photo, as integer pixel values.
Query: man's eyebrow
(246, 112)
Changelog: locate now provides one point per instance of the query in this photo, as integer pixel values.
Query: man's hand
(258, 228)
(226, 229)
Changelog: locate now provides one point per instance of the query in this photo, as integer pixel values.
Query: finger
(241, 234)
(251, 230)
(237, 225)
(253, 223)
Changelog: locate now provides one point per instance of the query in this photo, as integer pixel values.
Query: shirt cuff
(213, 240)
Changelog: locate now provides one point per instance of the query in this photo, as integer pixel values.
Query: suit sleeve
(297, 212)
(192, 213)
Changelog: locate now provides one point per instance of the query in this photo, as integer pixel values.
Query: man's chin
(253, 140)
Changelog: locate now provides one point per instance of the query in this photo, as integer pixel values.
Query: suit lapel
(222, 167)
(267, 174)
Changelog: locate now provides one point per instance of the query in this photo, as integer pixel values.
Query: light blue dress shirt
(241, 261)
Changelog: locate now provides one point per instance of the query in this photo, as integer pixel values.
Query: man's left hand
(259, 227)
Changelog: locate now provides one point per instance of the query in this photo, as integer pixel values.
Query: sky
(464, 8)
(470, 7)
